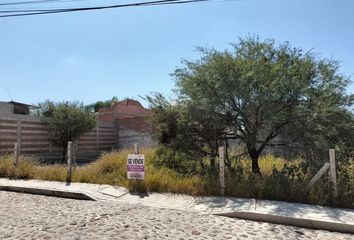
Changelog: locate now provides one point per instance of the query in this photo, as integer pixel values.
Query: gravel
(25, 216)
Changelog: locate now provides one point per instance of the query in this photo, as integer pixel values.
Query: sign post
(136, 166)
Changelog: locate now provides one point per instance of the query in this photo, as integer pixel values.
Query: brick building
(132, 120)
(127, 108)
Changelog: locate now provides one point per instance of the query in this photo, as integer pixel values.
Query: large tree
(268, 95)
(67, 121)
(188, 128)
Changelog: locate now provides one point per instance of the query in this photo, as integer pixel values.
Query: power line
(88, 8)
(29, 12)
(37, 1)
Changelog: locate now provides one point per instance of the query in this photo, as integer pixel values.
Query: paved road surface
(26, 216)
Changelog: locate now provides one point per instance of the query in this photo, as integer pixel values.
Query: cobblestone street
(26, 216)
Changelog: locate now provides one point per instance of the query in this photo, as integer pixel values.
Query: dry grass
(109, 169)
(279, 181)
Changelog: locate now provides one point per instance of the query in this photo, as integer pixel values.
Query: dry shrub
(281, 179)
(51, 173)
(24, 170)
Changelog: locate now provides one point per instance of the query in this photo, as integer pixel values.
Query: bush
(177, 160)
(24, 170)
(285, 181)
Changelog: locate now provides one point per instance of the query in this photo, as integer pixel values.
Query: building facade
(132, 120)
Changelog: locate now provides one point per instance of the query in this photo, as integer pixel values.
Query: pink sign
(136, 166)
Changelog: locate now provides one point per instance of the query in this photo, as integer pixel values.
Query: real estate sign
(136, 166)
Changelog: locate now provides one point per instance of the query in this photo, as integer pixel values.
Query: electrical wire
(29, 12)
(37, 1)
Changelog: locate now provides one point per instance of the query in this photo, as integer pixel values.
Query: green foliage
(67, 121)
(263, 94)
(186, 129)
(179, 161)
(94, 107)
(45, 109)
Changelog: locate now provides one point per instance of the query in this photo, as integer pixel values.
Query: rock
(195, 232)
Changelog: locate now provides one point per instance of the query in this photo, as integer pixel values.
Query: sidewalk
(302, 215)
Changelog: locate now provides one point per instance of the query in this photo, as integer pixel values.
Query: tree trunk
(254, 156)
(255, 166)
(212, 164)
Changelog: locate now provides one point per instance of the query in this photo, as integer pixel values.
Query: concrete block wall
(33, 136)
(135, 130)
(6, 108)
(127, 139)
(126, 125)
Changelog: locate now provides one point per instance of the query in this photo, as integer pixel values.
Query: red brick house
(127, 108)
(132, 120)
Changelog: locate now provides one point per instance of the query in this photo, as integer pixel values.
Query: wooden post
(318, 175)
(332, 172)
(68, 178)
(222, 169)
(16, 154)
(136, 148)
(74, 154)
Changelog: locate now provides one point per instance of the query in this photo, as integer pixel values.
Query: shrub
(286, 181)
(177, 160)
(24, 170)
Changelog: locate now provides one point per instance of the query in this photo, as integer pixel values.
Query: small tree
(67, 121)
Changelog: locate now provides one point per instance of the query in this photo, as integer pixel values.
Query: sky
(130, 52)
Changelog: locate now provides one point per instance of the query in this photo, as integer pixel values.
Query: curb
(336, 225)
(47, 192)
(297, 222)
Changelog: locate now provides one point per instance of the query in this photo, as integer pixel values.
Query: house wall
(123, 109)
(132, 120)
(135, 130)
(6, 108)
